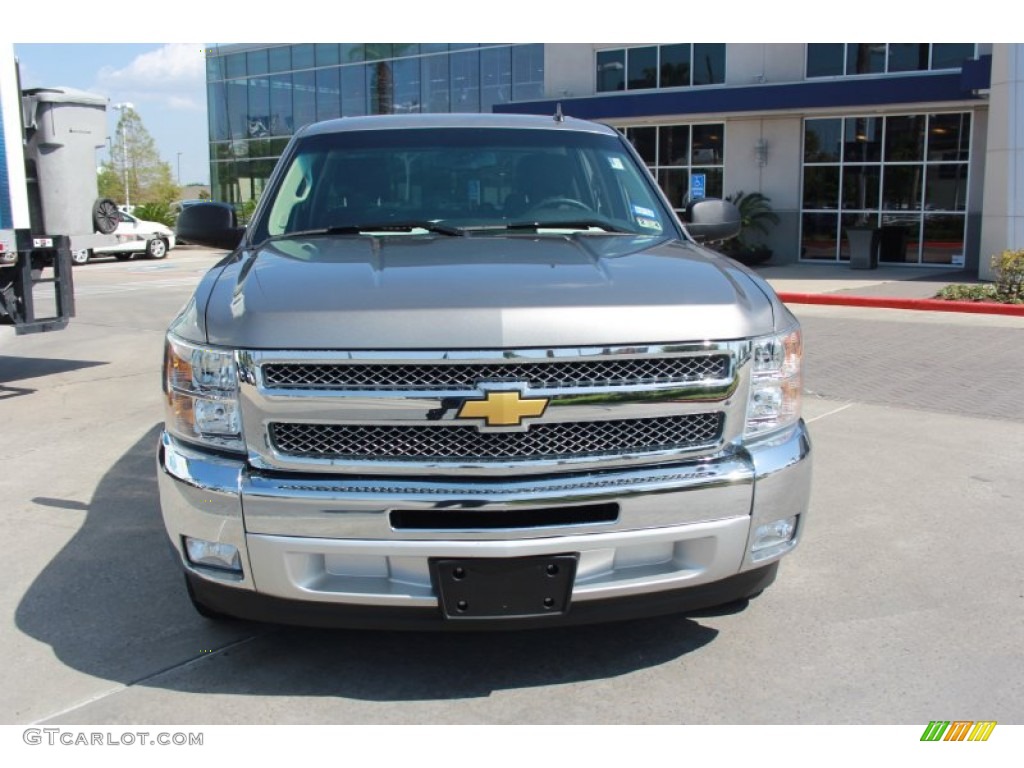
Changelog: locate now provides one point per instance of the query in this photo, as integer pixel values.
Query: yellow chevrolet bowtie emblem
(503, 409)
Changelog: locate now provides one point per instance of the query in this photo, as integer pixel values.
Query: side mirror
(712, 219)
(210, 224)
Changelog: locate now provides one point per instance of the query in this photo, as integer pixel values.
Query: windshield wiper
(516, 226)
(388, 226)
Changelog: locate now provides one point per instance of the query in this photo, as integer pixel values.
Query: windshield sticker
(639, 210)
(648, 223)
(616, 163)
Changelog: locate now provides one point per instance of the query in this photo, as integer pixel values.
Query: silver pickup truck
(471, 371)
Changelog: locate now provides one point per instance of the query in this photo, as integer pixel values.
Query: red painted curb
(930, 305)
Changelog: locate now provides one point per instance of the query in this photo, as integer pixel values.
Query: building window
(675, 65)
(660, 66)
(216, 110)
(465, 73)
(326, 54)
(407, 85)
(234, 65)
(495, 77)
(237, 108)
(435, 84)
(375, 51)
(951, 55)
(675, 152)
(257, 62)
(838, 59)
(708, 63)
(642, 68)
(353, 90)
(528, 72)
(281, 123)
(280, 58)
(904, 174)
(304, 98)
(214, 68)
(352, 53)
(328, 93)
(303, 56)
(611, 70)
(259, 108)
(380, 87)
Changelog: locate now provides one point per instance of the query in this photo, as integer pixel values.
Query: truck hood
(481, 292)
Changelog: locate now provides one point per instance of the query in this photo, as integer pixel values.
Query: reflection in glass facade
(838, 59)
(674, 152)
(906, 174)
(258, 98)
(660, 66)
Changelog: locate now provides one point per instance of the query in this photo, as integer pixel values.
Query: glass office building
(257, 96)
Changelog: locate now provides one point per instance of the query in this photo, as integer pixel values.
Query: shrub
(983, 292)
(1008, 287)
(159, 212)
(1009, 269)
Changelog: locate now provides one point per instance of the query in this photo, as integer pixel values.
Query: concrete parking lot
(904, 604)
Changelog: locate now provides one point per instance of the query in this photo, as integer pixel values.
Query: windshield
(465, 180)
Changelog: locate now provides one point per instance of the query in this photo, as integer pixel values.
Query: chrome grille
(358, 442)
(465, 376)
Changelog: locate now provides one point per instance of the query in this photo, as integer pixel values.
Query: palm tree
(756, 215)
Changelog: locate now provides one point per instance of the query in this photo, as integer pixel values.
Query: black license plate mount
(504, 588)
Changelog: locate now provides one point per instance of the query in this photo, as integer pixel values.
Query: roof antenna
(559, 117)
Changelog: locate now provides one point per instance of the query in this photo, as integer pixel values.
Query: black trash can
(892, 244)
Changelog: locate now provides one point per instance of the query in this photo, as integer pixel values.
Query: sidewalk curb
(929, 305)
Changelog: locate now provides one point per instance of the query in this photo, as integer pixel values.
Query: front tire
(81, 256)
(156, 248)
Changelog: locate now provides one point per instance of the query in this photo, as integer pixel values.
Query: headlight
(201, 384)
(776, 383)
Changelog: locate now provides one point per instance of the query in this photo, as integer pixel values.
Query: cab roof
(453, 120)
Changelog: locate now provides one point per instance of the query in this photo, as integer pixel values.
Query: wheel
(105, 216)
(81, 256)
(156, 248)
(560, 202)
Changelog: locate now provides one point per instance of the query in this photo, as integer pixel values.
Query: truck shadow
(112, 604)
(22, 368)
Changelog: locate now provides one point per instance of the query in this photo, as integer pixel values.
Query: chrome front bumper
(327, 539)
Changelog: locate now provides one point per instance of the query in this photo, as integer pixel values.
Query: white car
(134, 236)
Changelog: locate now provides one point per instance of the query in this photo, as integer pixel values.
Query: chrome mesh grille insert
(465, 376)
(358, 442)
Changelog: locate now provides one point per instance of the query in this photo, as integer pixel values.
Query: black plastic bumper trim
(253, 606)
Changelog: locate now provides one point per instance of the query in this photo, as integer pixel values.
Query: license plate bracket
(490, 588)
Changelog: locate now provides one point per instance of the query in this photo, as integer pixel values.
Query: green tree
(149, 177)
(109, 184)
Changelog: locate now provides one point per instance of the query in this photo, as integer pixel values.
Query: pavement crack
(830, 413)
(145, 678)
